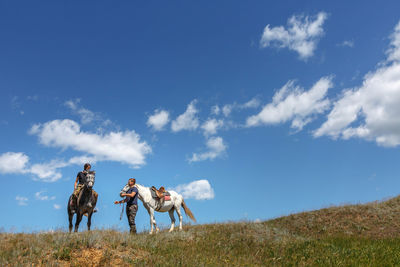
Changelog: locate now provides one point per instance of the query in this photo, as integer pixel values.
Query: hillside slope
(365, 234)
(374, 220)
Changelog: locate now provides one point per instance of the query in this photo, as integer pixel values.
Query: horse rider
(131, 204)
(79, 183)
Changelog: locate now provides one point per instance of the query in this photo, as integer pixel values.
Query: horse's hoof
(157, 230)
(150, 233)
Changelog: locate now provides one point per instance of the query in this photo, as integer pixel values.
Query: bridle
(89, 181)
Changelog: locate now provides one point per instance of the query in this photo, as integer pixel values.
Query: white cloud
(86, 115)
(124, 147)
(347, 43)
(215, 110)
(253, 103)
(292, 103)
(394, 49)
(301, 35)
(187, 120)
(81, 160)
(211, 126)
(21, 201)
(200, 190)
(89, 117)
(371, 111)
(13, 162)
(158, 120)
(216, 148)
(56, 206)
(48, 172)
(42, 196)
(227, 109)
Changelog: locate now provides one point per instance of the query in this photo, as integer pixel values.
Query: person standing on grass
(131, 204)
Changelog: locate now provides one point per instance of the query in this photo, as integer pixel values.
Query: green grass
(353, 235)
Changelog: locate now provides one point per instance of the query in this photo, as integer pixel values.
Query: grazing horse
(152, 205)
(85, 204)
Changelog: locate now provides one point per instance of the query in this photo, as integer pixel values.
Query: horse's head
(90, 177)
(124, 190)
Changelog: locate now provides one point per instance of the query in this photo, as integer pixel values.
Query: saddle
(160, 194)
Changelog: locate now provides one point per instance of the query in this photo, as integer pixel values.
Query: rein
(122, 211)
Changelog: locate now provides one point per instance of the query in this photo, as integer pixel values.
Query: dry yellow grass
(352, 235)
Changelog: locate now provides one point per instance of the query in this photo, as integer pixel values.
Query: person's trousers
(131, 214)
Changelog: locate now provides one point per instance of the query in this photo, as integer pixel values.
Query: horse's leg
(155, 224)
(178, 211)
(171, 215)
(89, 219)
(70, 216)
(152, 221)
(78, 220)
(148, 211)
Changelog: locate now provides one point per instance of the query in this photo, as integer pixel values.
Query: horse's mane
(142, 186)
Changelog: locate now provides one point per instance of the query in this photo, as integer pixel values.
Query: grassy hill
(366, 235)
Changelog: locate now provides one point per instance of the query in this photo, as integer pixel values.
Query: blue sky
(250, 110)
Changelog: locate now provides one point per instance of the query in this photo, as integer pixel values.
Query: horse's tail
(188, 211)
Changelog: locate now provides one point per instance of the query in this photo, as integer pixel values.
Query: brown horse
(84, 205)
